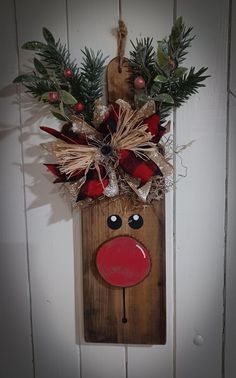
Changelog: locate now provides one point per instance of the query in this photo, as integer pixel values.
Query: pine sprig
(57, 58)
(40, 86)
(92, 69)
(83, 85)
(179, 41)
(166, 81)
(181, 90)
(188, 85)
(143, 58)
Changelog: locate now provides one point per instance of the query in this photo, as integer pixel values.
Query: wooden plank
(50, 228)
(89, 25)
(118, 83)
(230, 327)
(103, 303)
(153, 19)
(16, 349)
(200, 199)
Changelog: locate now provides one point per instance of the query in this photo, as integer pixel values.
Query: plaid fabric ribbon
(95, 178)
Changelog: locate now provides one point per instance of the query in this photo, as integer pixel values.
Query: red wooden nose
(123, 261)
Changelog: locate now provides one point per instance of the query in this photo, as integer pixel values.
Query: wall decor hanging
(114, 157)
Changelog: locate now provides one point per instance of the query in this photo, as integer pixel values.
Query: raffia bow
(131, 141)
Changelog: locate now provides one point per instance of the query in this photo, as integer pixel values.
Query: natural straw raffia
(74, 157)
(131, 134)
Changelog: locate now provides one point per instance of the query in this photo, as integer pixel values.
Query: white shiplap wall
(37, 228)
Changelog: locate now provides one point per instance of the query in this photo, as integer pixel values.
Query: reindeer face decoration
(124, 272)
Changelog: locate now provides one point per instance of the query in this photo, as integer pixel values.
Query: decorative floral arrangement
(106, 150)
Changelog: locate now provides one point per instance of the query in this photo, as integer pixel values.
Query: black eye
(135, 221)
(114, 222)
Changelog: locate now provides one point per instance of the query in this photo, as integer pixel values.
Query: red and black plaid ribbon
(132, 164)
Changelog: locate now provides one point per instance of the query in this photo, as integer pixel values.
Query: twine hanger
(122, 34)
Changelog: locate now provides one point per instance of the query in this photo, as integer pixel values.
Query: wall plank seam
(24, 199)
(68, 46)
(223, 368)
(175, 5)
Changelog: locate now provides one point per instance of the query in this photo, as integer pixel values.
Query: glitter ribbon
(165, 167)
(142, 192)
(112, 189)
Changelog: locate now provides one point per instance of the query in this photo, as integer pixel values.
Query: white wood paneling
(153, 19)
(15, 350)
(49, 219)
(230, 329)
(200, 199)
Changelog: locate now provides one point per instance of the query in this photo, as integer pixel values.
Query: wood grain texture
(145, 302)
(119, 83)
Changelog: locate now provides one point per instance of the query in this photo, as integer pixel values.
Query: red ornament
(68, 73)
(53, 96)
(139, 82)
(79, 107)
(123, 261)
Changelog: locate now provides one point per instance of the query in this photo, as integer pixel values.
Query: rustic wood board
(118, 83)
(145, 302)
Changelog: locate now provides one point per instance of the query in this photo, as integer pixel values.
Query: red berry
(139, 82)
(79, 107)
(68, 73)
(53, 96)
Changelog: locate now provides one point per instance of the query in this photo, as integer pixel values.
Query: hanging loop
(122, 34)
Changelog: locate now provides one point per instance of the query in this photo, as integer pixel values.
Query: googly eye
(114, 222)
(135, 221)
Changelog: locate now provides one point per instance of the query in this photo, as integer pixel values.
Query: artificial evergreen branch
(143, 59)
(188, 85)
(91, 79)
(40, 86)
(179, 41)
(84, 85)
(55, 58)
(166, 81)
(181, 90)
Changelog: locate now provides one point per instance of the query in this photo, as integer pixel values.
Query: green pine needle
(162, 70)
(84, 84)
(188, 85)
(179, 41)
(91, 78)
(143, 59)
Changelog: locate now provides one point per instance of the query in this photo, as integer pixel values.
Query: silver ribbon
(112, 188)
(142, 192)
